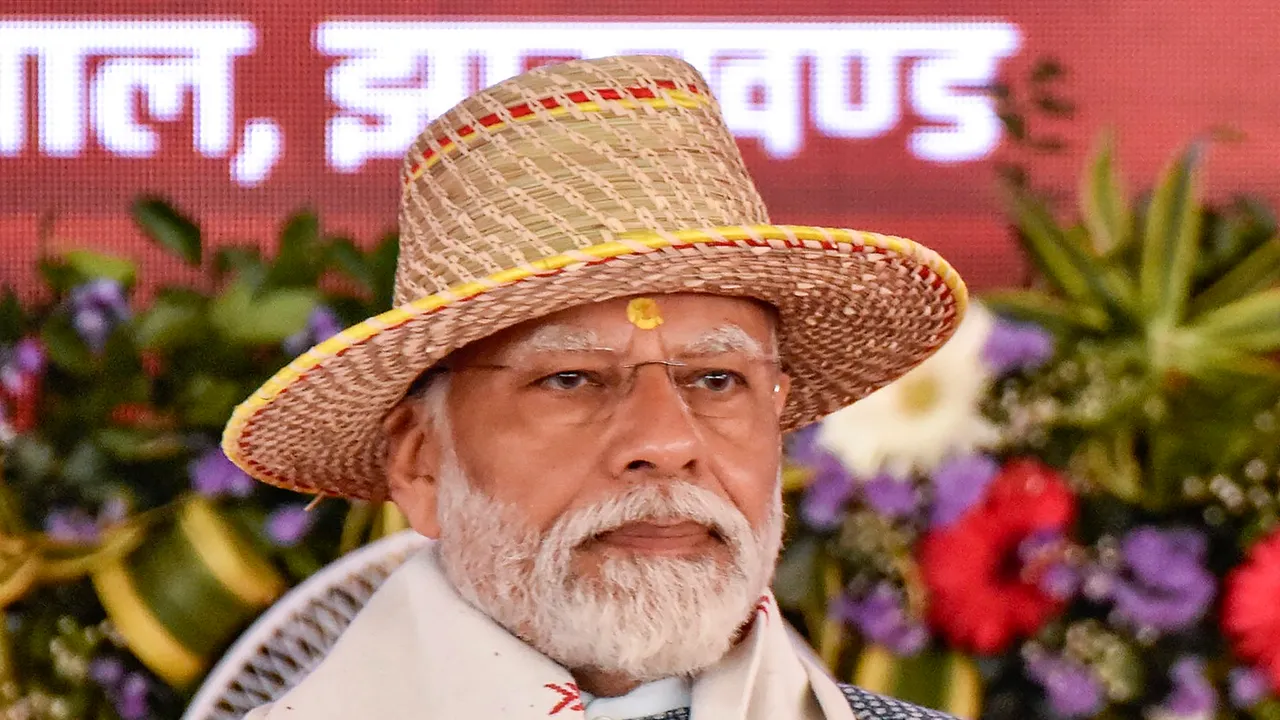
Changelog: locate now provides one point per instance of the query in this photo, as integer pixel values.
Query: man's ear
(780, 397)
(412, 465)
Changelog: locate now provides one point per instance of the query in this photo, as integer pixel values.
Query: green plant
(1175, 303)
(110, 416)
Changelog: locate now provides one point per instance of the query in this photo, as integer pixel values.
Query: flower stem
(10, 514)
(10, 689)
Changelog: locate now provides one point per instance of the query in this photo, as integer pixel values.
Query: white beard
(642, 617)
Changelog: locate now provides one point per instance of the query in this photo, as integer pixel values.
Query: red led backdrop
(848, 115)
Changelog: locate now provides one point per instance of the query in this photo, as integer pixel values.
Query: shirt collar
(652, 698)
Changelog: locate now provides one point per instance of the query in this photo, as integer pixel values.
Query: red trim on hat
(521, 110)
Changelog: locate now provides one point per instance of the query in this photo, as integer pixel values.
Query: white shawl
(418, 651)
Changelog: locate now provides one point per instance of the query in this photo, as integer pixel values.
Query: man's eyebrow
(726, 339)
(560, 338)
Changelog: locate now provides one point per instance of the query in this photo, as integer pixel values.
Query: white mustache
(665, 502)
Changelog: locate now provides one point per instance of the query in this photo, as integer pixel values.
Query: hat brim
(857, 310)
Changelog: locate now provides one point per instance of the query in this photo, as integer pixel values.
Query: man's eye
(719, 381)
(567, 380)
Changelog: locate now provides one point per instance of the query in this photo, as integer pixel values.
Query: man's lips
(659, 537)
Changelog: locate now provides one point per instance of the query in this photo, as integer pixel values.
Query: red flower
(23, 403)
(140, 415)
(1250, 614)
(152, 363)
(980, 599)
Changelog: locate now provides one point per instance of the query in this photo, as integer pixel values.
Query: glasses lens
(727, 387)
(580, 391)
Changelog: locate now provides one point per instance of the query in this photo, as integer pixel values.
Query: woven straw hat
(573, 184)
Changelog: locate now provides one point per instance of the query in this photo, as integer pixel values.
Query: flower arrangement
(1071, 510)
(1068, 512)
(115, 498)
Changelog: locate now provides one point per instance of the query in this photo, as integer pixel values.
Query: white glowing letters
(91, 74)
(390, 78)
(115, 83)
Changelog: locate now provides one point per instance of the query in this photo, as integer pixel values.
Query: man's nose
(654, 434)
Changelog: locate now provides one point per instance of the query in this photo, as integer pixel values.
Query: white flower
(917, 421)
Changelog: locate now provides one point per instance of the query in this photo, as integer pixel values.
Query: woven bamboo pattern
(573, 184)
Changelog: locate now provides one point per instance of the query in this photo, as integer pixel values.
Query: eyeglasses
(573, 390)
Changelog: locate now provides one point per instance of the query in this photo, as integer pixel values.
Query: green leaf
(1260, 269)
(236, 259)
(207, 401)
(1059, 257)
(1267, 709)
(1231, 234)
(1169, 242)
(170, 229)
(1046, 69)
(170, 322)
(268, 318)
(12, 317)
(34, 458)
(138, 445)
(120, 362)
(85, 466)
(1054, 105)
(65, 348)
(355, 526)
(1110, 463)
(1105, 209)
(1251, 323)
(797, 576)
(299, 257)
(58, 275)
(1014, 124)
(940, 679)
(1046, 310)
(1212, 362)
(382, 269)
(347, 258)
(89, 265)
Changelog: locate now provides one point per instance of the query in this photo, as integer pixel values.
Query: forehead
(685, 317)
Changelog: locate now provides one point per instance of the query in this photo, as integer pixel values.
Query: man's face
(601, 475)
(525, 436)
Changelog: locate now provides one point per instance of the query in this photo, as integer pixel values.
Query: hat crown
(561, 158)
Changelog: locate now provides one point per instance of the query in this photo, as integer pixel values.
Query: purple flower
(824, 500)
(214, 475)
(71, 526)
(107, 672)
(28, 356)
(287, 525)
(97, 307)
(880, 616)
(131, 703)
(1193, 695)
(803, 447)
(1247, 687)
(75, 525)
(1164, 584)
(128, 692)
(113, 511)
(890, 496)
(1044, 555)
(1016, 346)
(321, 325)
(959, 483)
(1073, 689)
(25, 359)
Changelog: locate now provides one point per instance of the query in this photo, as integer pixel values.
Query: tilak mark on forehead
(644, 313)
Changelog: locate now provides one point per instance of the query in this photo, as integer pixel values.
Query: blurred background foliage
(1069, 512)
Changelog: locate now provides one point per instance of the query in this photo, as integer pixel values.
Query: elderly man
(598, 343)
